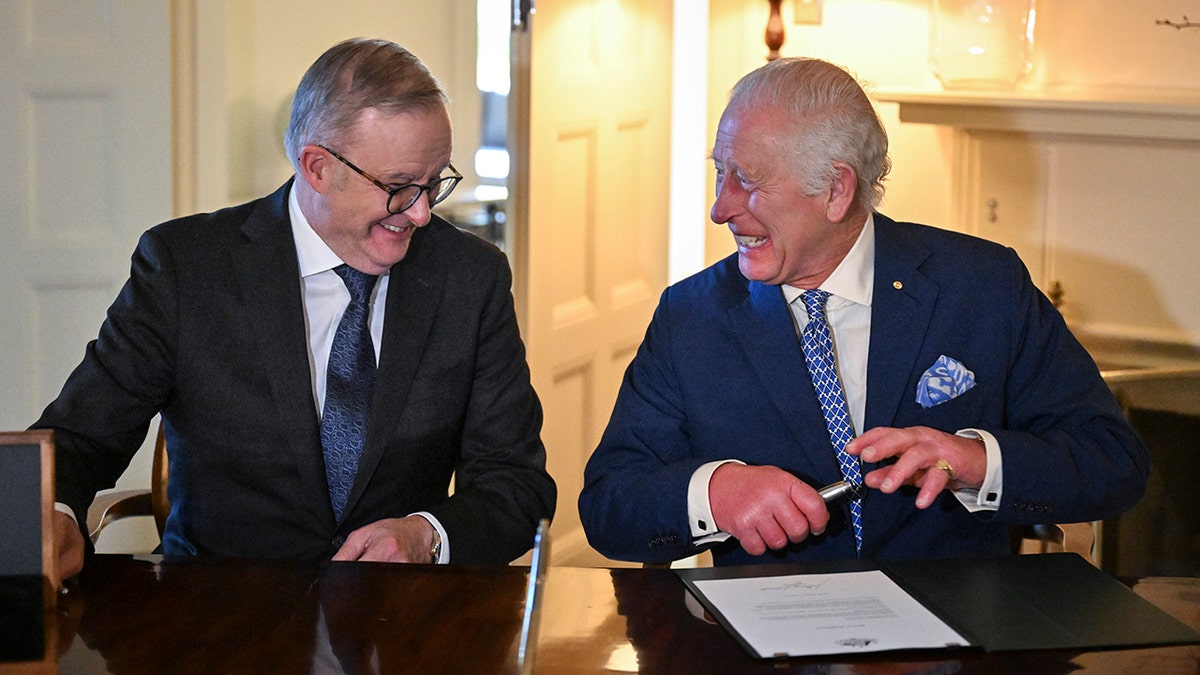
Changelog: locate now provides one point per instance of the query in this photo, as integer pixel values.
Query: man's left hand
(390, 540)
(918, 451)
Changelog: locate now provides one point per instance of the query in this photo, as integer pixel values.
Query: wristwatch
(435, 548)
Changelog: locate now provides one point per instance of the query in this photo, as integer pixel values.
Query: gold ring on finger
(945, 466)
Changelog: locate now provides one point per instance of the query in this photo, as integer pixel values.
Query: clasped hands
(765, 507)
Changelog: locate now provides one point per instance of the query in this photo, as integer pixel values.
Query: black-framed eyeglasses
(402, 197)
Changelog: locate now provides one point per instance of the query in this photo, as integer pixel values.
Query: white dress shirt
(849, 314)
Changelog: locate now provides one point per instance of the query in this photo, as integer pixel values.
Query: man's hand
(917, 451)
(68, 548)
(391, 540)
(764, 506)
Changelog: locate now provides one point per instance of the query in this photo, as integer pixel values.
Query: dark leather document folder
(1040, 601)
(1024, 602)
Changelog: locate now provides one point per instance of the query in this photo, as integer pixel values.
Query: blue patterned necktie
(348, 386)
(818, 355)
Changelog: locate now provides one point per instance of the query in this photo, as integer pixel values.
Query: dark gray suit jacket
(721, 375)
(210, 331)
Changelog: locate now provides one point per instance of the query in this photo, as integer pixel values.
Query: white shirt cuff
(700, 518)
(63, 508)
(987, 497)
(444, 556)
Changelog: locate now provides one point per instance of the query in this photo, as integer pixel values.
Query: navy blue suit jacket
(720, 375)
(210, 331)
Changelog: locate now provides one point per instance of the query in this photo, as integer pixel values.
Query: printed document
(813, 614)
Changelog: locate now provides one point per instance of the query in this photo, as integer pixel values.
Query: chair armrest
(115, 506)
(1077, 538)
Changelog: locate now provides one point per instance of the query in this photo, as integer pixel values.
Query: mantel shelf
(1148, 114)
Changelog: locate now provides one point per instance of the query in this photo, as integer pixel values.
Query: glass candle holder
(981, 44)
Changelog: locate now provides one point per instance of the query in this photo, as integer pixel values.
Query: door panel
(85, 120)
(590, 194)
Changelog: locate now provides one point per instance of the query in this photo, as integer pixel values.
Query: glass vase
(981, 44)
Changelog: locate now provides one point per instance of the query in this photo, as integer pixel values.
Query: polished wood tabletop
(128, 614)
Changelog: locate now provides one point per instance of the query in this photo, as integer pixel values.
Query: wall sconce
(803, 12)
(774, 34)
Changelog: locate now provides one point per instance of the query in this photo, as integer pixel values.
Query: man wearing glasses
(325, 358)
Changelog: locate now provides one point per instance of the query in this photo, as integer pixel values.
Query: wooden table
(146, 615)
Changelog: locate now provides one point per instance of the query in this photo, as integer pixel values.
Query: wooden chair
(1077, 538)
(129, 503)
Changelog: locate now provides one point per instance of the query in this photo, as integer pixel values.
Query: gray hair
(832, 120)
(350, 77)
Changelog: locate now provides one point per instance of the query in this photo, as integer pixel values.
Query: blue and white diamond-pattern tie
(818, 355)
(348, 386)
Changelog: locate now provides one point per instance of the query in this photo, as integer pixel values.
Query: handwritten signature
(856, 642)
(796, 586)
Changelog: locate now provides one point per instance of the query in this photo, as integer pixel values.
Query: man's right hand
(68, 548)
(764, 506)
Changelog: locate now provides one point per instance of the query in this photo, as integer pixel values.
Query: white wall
(1116, 43)
(260, 49)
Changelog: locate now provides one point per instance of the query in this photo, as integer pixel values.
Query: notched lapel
(268, 277)
(902, 305)
(415, 287)
(767, 334)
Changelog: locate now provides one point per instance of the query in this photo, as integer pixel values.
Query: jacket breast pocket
(968, 409)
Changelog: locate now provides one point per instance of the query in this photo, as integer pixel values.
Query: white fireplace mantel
(1146, 114)
(1070, 179)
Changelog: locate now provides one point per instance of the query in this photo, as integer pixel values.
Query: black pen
(838, 489)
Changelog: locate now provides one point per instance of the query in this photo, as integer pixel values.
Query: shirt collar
(313, 254)
(854, 277)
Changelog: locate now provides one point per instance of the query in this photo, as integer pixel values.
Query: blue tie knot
(814, 303)
(360, 284)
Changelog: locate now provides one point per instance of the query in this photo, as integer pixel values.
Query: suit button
(338, 541)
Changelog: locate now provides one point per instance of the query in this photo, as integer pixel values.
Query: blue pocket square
(944, 380)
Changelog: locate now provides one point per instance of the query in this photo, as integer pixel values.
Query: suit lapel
(902, 305)
(414, 292)
(766, 332)
(268, 276)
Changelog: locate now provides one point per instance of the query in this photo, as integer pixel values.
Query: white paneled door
(85, 123)
(591, 193)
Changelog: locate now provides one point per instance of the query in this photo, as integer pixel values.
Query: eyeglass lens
(408, 195)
